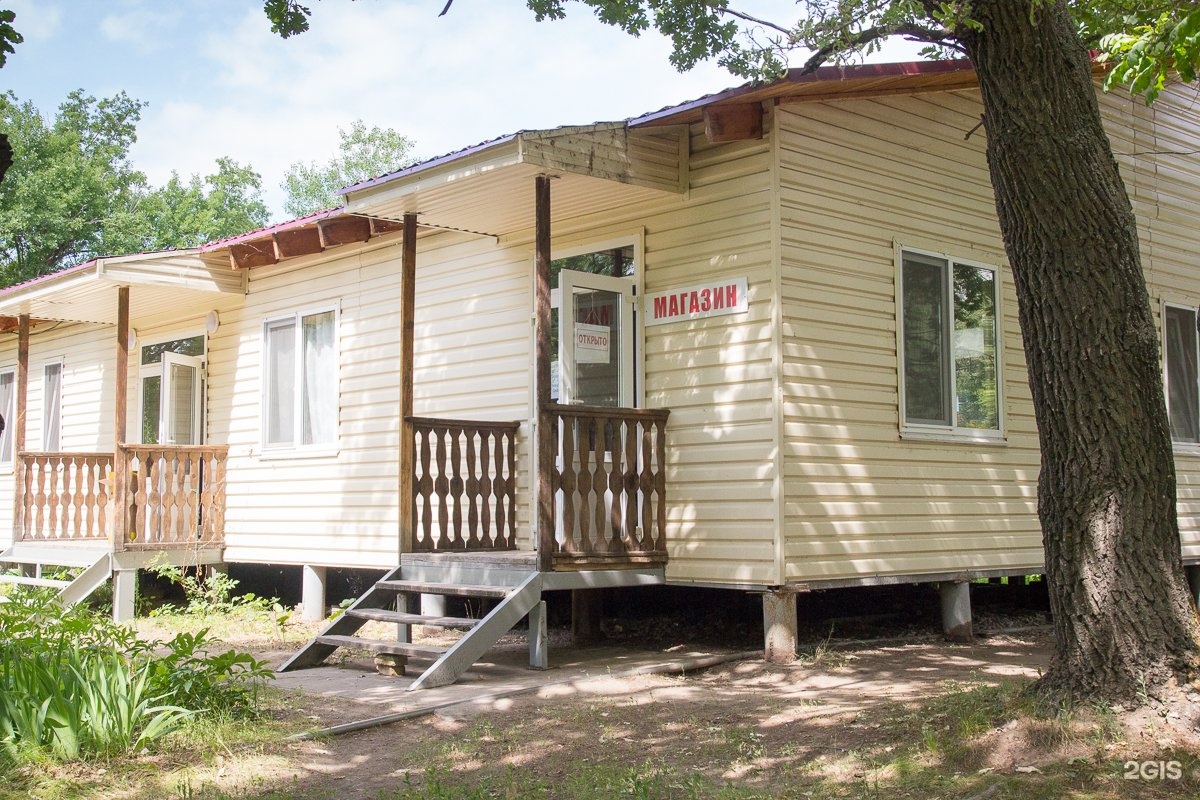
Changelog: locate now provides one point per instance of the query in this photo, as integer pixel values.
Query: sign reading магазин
(695, 302)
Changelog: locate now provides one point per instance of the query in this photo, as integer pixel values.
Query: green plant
(73, 684)
(210, 592)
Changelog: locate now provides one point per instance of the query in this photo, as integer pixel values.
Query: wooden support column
(408, 305)
(18, 423)
(121, 388)
(542, 356)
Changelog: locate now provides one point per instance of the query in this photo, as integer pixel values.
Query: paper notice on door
(592, 343)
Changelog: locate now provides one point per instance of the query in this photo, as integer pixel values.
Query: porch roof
(487, 189)
(86, 292)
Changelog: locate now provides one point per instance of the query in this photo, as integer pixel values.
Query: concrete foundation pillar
(587, 609)
(124, 594)
(779, 627)
(956, 610)
(312, 593)
(433, 605)
(539, 639)
(1193, 577)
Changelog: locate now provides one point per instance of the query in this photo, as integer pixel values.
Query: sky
(218, 83)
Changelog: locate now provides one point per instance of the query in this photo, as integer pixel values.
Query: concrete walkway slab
(378, 700)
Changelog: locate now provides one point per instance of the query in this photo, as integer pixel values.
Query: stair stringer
(88, 581)
(314, 653)
(475, 642)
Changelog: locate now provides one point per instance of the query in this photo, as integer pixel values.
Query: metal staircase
(510, 579)
(94, 563)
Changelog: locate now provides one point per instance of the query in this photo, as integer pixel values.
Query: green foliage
(8, 35)
(75, 685)
(209, 593)
(362, 153)
(1144, 57)
(72, 193)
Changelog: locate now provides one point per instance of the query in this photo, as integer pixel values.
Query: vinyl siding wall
(340, 508)
(857, 179)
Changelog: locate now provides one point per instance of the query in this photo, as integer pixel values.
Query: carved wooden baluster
(487, 536)
(442, 488)
(646, 484)
(40, 498)
(53, 470)
(426, 493)
(504, 490)
(219, 496)
(456, 486)
(567, 479)
(192, 504)
(473, 539)
(83, 486)
(616, 479)
(660, 483)
(599, 485)
(629, 484)
(102, 499)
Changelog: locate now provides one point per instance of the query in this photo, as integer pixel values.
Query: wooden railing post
(18, 425)
(408, 305)
(546, 425)
(121, 391)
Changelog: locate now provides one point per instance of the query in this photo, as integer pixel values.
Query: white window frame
(1179, 444)
(9, 456)
(47, 411)
(149, 370)
(296, 447)
(918, 431)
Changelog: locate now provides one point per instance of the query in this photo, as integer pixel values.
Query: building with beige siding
(764, 341)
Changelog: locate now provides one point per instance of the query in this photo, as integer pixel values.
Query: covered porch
(128, 496)
(598, 470)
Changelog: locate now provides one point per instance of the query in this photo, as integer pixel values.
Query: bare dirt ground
(838, 723)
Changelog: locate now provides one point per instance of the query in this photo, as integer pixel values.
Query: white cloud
(147, 29)
(36, 19)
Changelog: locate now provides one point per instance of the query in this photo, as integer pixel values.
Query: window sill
(992, 438)
(1189, 449)
(296, 453)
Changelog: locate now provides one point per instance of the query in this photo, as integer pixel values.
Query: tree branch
(733, 12)
(868, 35)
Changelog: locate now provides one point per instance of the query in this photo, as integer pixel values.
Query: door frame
(166, 396)
(626, 289)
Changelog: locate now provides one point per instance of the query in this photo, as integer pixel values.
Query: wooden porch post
(121, 389)
(408, 304)
(18, 423)
(545, 422)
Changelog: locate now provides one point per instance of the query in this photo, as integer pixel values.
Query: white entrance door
(179, 403)
(595, 339)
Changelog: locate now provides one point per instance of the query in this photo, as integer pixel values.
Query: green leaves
(1144, 57)
(8, 35)
(362, 153)
(73, 194)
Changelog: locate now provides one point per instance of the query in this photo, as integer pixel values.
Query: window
(8, 385)
(948, 330)
(52, 408)
(1179, 329)
(300, 381)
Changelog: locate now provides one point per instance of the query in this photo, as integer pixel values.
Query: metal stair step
(24, 581)
(381, 646)
(455, 589)
(405, 618)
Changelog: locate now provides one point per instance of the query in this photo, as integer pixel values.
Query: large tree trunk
(1106, 496)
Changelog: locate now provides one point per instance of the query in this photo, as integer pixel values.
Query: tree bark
(1123, 622)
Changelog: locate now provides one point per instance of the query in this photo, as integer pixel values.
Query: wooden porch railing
(61, 497)
(609, 484)
(464, 485)
(176, 495)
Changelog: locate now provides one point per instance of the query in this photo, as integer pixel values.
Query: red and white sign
(592, 343)
(696, 302)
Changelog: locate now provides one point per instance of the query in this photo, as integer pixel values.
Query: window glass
(52, 412)
(8, 383)
(191, 346)
(301, 380)
(975, 367)
(1180, 324)
(151, 402)
(950, 338)
(926, 391)
(318, 402)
